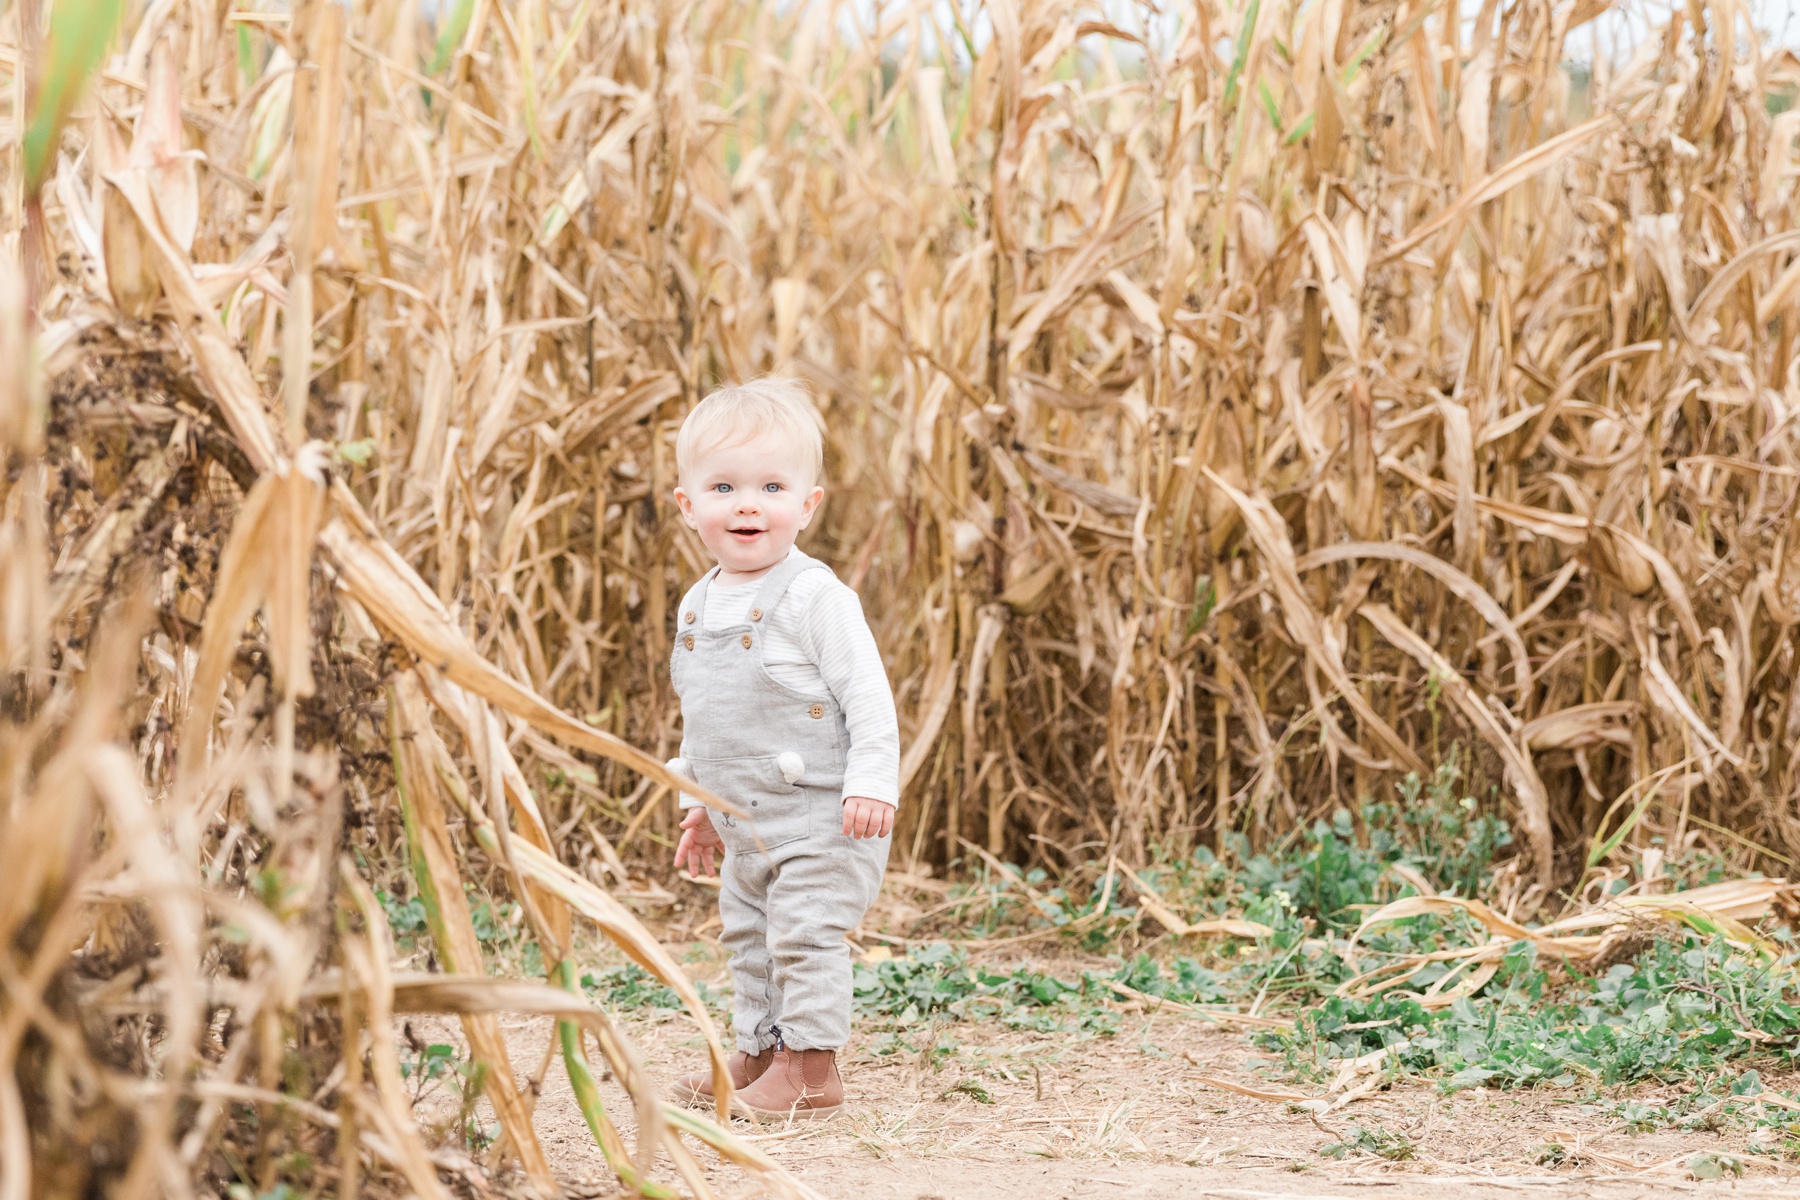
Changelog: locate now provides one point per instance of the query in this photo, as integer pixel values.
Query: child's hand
(866, 818)
(698, 842)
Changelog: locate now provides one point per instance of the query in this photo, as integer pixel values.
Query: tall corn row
(1227, 414)
(1378, 378)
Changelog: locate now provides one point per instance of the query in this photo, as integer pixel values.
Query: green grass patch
(1375, 1140)
(938, 983)
(1686, 1007)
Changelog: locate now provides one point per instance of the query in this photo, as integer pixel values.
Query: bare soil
(996, 1114)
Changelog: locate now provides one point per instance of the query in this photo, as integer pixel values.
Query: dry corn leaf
(1270, 535)
(1226, 1085)
(433, 860)
(156, 147)
(1518, 170)
(266, 564)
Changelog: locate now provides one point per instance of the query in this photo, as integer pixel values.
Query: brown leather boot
(697, 1089)
(800, 1085)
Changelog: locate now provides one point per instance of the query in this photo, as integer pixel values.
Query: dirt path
(977, 1112)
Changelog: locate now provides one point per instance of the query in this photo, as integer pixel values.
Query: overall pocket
(775, 811)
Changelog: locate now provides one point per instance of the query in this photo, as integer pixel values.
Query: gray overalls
(793, 884)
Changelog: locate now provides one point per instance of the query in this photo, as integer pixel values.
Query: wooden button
(689, 618)
(756, 614)
(688, 641)
(746, 641)
(817, 710)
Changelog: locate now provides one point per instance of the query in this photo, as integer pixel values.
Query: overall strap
(775, 584)
(694, 605)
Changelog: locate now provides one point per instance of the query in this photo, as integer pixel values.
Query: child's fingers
(868, 819)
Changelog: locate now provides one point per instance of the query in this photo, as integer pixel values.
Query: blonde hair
(738, 412)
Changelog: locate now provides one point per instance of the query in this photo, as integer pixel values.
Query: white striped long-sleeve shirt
(818, 642)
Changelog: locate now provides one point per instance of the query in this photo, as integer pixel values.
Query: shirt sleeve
(835, 635)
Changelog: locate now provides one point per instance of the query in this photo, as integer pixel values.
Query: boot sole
(783, 1116)
(690, 1097)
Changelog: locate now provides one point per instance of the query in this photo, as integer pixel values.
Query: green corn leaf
(423, 877)
(1241, 55)
(451, 34)
(80, 32)
(962, 31)
(587, 1098)
(568, 43)
(1600, 849)
(246, 60)
(1348, 74)
(1268, 103)
(1206, 598)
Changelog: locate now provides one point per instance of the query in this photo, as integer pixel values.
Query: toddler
(786, 714)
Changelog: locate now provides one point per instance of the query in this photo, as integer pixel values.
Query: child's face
(748, 502)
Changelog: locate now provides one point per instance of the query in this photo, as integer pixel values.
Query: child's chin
(745, 559)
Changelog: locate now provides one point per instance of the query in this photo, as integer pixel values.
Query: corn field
(1230, 411)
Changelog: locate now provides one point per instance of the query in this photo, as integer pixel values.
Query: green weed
(630, 986)
(426, 1065)
(1680, 1011)
(431, 1062)
(1430, 828)
(937, 981)
(969, 1088)
(499, 928)
(405, 918)
(1710, 1164)
(1321, 878)
(1395, 1147)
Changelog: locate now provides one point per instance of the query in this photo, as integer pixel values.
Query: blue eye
(721, 487)
(771, 487)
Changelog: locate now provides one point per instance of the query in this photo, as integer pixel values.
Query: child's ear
(684, 502)
(810, 505)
